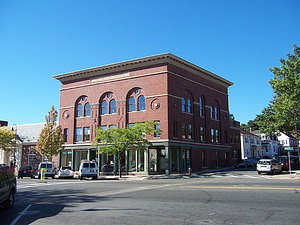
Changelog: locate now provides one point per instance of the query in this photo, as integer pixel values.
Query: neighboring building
(25, 151)
(287, 140)
(235, 141)
(190, 103)
(250, 145)
(12, 155)
(270, 145)
(29, 133)
(3, 123)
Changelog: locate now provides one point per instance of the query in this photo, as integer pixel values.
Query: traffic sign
(288, 148)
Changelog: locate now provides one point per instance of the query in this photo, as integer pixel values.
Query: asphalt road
(229, 197)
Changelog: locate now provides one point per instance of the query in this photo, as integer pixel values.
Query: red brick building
(190, 103)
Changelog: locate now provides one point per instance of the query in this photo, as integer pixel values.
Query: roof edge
(134, 63)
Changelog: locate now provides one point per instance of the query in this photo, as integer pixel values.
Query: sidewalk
(295, 175)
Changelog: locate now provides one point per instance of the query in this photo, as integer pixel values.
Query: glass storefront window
(153, 160)
(107, 163)
(141, 166)
(136, 160)
(174, 160)
(78, 156)
(131, 161)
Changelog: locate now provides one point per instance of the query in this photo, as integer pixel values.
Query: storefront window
(153, 160)
(107, 163)
(136, 160)
(131, 161)
(174, 160)
(78, 156)
(185, 159)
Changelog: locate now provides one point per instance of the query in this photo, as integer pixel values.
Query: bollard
(43, 174)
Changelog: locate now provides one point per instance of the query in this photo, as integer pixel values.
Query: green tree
(115, 141)
(7, 138)
(284, 109)
(51, 137)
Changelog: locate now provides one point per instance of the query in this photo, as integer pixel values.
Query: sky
(237, 40)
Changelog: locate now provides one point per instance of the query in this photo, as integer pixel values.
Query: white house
(250, 145)
(287, 140)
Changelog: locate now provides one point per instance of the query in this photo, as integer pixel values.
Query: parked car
(284, 160)
(65, 172)
(25, 171)
(49, 169)
(8, 186)
(88, 169)
(245, 163)
(270, 166)
(254, 161)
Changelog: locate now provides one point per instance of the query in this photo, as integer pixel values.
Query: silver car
(65, 172)
(270, 166)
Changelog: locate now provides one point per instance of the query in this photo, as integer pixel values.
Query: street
(229, 197)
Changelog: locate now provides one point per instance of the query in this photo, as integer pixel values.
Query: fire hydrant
(190, 171)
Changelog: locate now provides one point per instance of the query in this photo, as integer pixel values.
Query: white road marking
(20, 215)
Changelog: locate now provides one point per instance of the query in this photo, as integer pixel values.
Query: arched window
(112, 106)
(212, 112)
(189, 106)
(141, 103)
(216, 113)
(183, 104)
(201, 106)
(79, 110)
(131, 104)
(87, 109)
(31, 157)
(104, 107)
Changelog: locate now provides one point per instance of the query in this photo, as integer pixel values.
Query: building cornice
(166, 58)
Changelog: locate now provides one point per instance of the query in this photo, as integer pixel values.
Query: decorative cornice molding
(142, 62)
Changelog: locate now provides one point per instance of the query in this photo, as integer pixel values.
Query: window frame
(86, 134)
(112, 107)
(131, 104)
(104, 107)
(141, 103)
(87, 109)
(79, 110)
(78, 136)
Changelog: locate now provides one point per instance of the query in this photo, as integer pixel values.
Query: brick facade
(190, 103)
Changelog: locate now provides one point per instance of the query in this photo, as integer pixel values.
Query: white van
(270, 166)
(49, 169)
(88, 169)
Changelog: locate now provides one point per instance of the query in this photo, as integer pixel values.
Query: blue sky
(237, 40)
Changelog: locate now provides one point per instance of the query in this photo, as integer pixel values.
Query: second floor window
(78, 134)
(157, 127)
(175, 129)
(202, 134)
(66, 134)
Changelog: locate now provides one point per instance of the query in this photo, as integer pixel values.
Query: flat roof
(141, 62)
